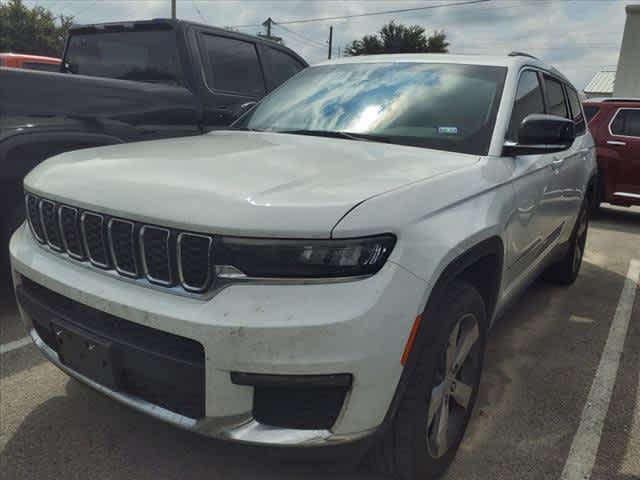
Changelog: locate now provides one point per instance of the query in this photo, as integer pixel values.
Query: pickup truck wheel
(437, 403)
(13, 219)
(566, 270)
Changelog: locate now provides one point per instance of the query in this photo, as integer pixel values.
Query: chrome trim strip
(75, 226)
(628, 195)
(29, 221)
(57, 248)
(119, 269)
(145, 268)
(615, 115)
(84, 239)
(237, 428)
(185, 285)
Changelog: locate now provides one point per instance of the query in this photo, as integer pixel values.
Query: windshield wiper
(339, 134)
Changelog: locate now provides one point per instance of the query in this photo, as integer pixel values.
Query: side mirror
(539, 134)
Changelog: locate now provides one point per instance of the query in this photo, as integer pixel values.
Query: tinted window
(279, 65)
(627, 123)
(555, 98)
(145, 56)
(47, 67)
(232, 65)
(590, 111)
(440, 106)
(576, 111)
(528, 100)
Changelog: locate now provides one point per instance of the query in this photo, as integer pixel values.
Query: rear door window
(279, 66)
(576, 111)
(626, 123)
(144, 56)
(556, 104)
(528, 100)
(232, 65)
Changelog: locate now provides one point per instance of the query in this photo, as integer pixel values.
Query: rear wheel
(566, 270)
(435, 409)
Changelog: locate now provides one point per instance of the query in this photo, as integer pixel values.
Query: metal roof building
(601, 85)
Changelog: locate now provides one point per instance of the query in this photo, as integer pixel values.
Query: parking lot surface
(544, 363)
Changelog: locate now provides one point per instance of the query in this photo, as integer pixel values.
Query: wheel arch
(481, 265)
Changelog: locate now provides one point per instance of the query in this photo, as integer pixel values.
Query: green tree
(32, 30)
(397, 38)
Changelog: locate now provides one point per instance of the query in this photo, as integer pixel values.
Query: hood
(237, 183)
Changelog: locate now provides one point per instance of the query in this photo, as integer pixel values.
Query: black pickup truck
(126, 82)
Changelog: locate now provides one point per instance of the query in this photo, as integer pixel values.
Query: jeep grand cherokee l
(326, 270)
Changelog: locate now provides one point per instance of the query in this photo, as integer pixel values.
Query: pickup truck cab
(615, 126)
(326, 270)
(127, 82)
(31, 62)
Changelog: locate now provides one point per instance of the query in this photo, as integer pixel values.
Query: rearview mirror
(539, 134)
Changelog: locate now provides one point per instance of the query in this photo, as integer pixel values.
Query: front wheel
(435, 409)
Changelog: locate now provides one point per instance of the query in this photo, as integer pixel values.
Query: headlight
(305, 258)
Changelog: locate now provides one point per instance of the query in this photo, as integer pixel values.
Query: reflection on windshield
(445, 106)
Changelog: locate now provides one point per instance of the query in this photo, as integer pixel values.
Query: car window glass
(280, 66)
(232, 65)
(528, 100)
(145, 56)
(627, 123)
(555, 98)
(576, 111)
(590, 111)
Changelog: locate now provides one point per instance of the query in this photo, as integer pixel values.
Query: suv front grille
(162, 256)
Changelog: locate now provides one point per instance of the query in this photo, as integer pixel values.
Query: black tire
(407, 449)
(565, 271)
(12, 218)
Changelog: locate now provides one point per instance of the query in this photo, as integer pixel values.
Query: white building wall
(628, 74)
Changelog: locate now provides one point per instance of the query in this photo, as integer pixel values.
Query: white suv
(325, 270)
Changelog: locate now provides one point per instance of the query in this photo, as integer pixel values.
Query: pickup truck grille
(161, 256)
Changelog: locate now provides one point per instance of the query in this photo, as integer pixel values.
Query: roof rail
(620, 99)
(522, 54)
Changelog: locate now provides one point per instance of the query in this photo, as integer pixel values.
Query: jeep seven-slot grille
(160, 255)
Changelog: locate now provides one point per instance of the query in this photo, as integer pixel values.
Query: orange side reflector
(410, 340)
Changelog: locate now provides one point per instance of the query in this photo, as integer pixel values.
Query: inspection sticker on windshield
(448, 130)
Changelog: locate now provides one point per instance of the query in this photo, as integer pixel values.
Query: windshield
(442, 106)
(145, 56)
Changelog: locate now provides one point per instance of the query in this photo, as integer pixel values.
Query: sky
(579, 37)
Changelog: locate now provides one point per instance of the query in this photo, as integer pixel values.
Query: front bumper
(359, 328)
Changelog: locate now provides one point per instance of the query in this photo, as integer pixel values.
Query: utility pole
(173, 9)
(330, 40)
(267, 23)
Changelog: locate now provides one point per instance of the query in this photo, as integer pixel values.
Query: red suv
(615, 126)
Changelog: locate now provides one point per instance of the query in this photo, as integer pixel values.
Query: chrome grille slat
(33, 217)
(154, 256)
(70, 231)
(194, 261)
(50, 224)
(93, 235)
(122, 245)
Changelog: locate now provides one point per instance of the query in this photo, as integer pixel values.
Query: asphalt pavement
(560, 396)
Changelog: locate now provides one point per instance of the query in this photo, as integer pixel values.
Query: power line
(369, 14)
(300, 37)
(199, 12)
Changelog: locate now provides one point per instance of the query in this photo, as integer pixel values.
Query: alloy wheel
(455, 381)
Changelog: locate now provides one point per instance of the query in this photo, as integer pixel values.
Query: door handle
(616, 142)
